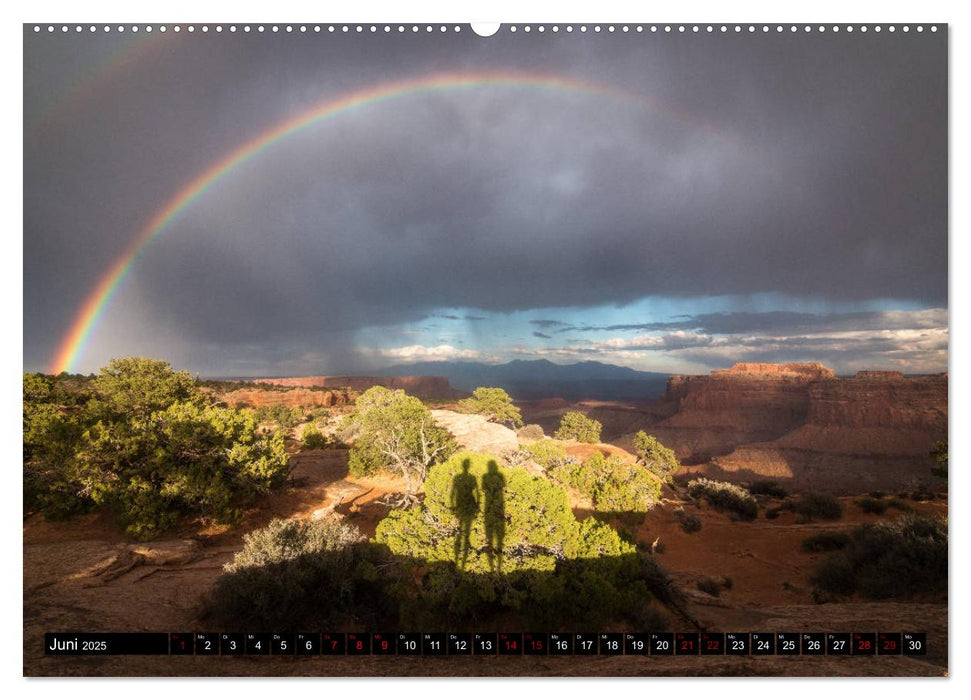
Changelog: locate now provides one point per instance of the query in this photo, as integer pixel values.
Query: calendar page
(485, 350)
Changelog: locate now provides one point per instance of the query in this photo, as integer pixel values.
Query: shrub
(714, 586)
(576, 426)
(725, 497)
(284, 540)
(51, 433)
(899, 505)
(547, 453)
(136, 387)
(691, 524)
(485, 516)
(489, 538)
(612, 485)
(825, 542)
(772, 513)
(889, 559)
(144, 444)
(312, 438)
(531, 432)
(396, 432)
(659, 459)
(493, 403)
(184, 459)
(869, 504)
(818, 505)
(286, 417)
(767, 488)
(294, 574)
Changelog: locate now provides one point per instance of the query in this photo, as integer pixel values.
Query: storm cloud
(809, 167)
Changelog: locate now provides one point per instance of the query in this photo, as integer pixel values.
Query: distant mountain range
(541, 379)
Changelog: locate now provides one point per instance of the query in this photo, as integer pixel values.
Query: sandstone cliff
(801, 424)
(422, 387)
(298, 398)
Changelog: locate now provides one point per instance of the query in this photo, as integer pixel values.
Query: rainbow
(73, 345)
(133, 51)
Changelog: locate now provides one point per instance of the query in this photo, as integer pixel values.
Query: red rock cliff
(804, 406)
(422, 387)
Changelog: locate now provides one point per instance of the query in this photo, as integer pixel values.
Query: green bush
(495, 404)
(285, 540)
(312, 438)
(659, 459)
(286, 417)
(485, 516)
(136, 387)
(293, 575)
(547, 453)
(576, 426)
(488, 539)
(818, 505)
(889, 559)
(612, 485)
(396, 432)
(825, 542)
(184, 459)
(724, 496)
(767, 488)
(52, 429)
(140, 438)
(869, 504)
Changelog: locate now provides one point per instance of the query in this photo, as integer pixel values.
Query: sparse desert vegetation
(766, 487)
(818, 505)
(724, 496)
(825, 542)
(312, 438)
(888, 559)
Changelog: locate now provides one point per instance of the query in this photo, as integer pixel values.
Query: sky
(668, 202)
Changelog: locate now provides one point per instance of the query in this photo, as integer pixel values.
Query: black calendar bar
(432, 644)
(105, 643)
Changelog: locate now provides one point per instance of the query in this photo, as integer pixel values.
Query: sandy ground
(85, 574)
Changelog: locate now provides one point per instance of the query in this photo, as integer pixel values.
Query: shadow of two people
(467, 500)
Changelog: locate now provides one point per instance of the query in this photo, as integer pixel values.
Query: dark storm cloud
(453, 317)
(785, 322)
(810, 166)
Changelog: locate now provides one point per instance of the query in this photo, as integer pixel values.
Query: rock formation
(299, 398)
(802, 424)
(474, 432)
(422, 387)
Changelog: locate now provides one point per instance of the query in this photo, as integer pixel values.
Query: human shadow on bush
(494, 514)
(464, 498)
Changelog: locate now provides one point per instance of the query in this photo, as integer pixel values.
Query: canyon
(802, 425)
